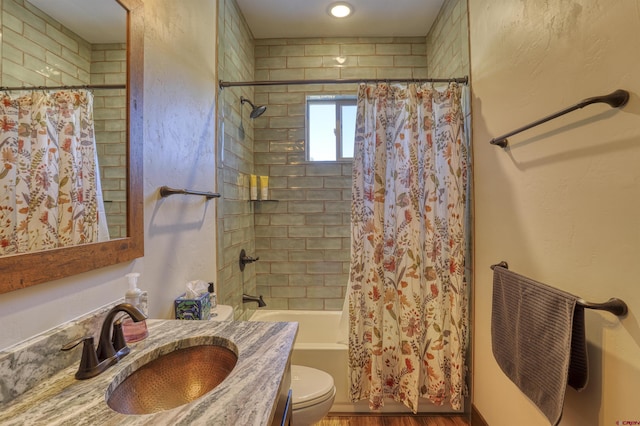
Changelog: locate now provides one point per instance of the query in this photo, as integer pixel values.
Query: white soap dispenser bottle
(135, 331)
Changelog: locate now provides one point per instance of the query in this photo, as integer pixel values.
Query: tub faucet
(111, 346)
(246, 298)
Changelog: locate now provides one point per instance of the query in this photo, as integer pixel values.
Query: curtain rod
(223, 84)
(87, 87)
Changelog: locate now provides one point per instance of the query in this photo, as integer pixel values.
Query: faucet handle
(89, 361)
(118, 341)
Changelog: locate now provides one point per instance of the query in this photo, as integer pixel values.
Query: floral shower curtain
(408, 299)
(49, 174)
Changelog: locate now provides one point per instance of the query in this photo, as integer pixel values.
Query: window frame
(339, 101)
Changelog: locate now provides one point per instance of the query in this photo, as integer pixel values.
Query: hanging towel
(538, 339)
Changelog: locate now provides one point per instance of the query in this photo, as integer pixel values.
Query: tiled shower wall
(235, 158)
(303, 239)
(39, 51)
(109, 66)
(448, 41)
(303, 236)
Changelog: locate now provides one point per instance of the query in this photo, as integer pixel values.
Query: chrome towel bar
(614, 305)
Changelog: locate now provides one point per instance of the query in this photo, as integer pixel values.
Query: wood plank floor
(394, 420)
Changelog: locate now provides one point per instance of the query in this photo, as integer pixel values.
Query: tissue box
(193, 309)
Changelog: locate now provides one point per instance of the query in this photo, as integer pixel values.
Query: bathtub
(316, 346)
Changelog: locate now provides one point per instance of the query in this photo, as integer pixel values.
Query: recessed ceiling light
(340, 9)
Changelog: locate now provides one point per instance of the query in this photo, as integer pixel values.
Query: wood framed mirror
(24, 270)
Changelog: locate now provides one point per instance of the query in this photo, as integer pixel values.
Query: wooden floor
(394, 420)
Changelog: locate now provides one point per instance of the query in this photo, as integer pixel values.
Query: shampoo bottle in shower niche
(135, 331)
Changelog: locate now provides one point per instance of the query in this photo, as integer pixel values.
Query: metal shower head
(256, 111)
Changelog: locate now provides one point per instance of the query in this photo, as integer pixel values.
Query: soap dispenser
(135, 331)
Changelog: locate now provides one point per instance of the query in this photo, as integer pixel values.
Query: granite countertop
(248, 396)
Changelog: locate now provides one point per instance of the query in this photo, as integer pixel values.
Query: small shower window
(331, 127)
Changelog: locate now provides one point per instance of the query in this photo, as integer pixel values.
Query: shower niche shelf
(263, 201)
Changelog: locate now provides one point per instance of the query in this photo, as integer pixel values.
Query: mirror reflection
(63, 146)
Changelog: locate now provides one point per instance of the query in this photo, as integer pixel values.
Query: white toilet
(225, 313)
(313, 393)
(312, 390)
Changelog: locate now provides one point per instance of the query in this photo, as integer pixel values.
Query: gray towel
(538, 339)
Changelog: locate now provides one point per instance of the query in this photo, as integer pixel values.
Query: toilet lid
(310, 386)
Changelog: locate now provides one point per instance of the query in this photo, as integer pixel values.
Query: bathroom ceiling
(96, 21)
(309, 18)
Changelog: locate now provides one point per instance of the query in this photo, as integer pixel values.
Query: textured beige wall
(561, 206)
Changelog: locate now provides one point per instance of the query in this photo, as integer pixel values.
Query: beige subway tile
(286, 122)
(333, 304)
(324, 292)
(270, 63)
(306, 256)
(288, 291)
(306, 280)
(288, 268)
(306, 304)
(270, 231)
(70, 42)
(358, 73)
(287, 74)
(321, 73)
(288, 243)
(338, 181)
(324, 267)
(321, 49)
(337, 231)
(288, 194)
(324, 169)
(286, 146)
(306, 231)
(306, 207)
(357, 49)
(324, 243)
(393, 49)
(304, 182)
(12, 22)
(304, 61)
(323, 219)
(375, 61)
(286, 50)
(338, 255)
(324, 194)
(286, 98)
(27, 46)
(341, 61)
(338, 206)
(270, 158)
(409, 61)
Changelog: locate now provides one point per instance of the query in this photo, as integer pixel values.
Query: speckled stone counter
(248, 396)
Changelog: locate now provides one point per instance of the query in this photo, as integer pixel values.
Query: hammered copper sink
(173, 379)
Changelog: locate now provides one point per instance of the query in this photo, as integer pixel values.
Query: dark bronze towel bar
(165, 191)
(614, 305)
(616, 99)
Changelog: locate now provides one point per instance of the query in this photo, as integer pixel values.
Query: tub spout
(246, 298)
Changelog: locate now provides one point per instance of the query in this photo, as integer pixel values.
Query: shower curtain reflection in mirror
(50, 193)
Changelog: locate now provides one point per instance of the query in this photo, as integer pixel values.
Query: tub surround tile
(264, 351)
